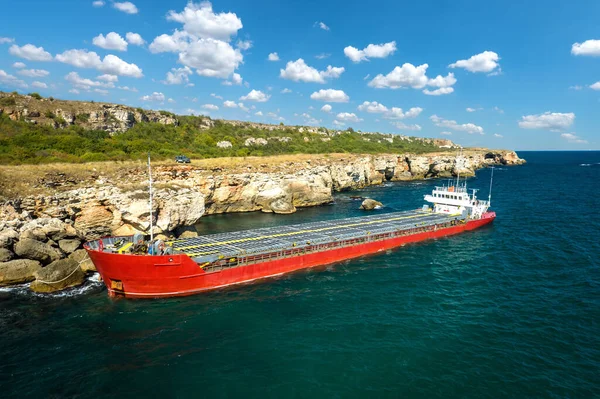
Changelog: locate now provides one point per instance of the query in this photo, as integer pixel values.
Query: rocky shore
(41, 235)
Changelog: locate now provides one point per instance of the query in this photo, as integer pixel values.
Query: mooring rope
(70, 274)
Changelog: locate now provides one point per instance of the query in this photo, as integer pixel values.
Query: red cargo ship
(193, 265)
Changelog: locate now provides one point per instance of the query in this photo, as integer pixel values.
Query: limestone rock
(82, 258)
(18, 271)
(6, 255)
(94, 222)
(8, 237)
(69, 245)
(224, 144)
(35, 234)
(58, 275)
(370, 204)
(36, 250)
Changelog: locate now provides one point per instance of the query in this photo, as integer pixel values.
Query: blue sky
(520, 75)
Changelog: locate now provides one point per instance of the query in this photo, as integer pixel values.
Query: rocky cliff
(46, 231)
(112, 118)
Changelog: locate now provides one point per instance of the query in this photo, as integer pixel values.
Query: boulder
(94, 221)
(370, 204)
(18, 271)
(6, 255)
(34, 234)
(58, 275)
(8, 237)
(85, 263)
(36, 250)
(186, 232)
(69, 245)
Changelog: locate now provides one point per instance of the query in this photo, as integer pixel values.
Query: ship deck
(212, 247)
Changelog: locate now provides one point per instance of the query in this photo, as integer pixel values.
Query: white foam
(586, 164)
(92, 284)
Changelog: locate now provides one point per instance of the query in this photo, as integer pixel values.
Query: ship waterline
(220, 260)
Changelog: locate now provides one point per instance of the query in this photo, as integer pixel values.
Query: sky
(517, 75)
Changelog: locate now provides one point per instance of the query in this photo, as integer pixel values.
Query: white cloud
(101, 91)
(372, 107)
(285, 91)
(39, 85)
(469, 128)
(11, 80)
(216, 96)
(259, 113)
(410, 76)
(554, 121)
(299, 71)
(256, 95)
(86, 84)
(243, 107)
(326, 108)
(338, 123)
(330, 95)
(576, 87)
(30, 52)
(595, 86)
(273, 57)
(174, 43)
(212, 58)
(108, 78)
(74, 91)
(127, 7)
(5, 40)
(111, 64)
(178, 76)
(135, 39)
(210, 107)
(469, 109)
(19, 65)
(446, 133)
(406, 76)
(322, 56)
(230, 104)
(200, 20)
(498, 110)
(236, 79)
(98, 3)
(34, 73)
(403, 126)
(171, 101)
(244, 44)
(348, 117)
(322, 25)
(112, 41)
(589, 47)
(573, 138)
(127, 88)
(159, 97)
(439, 92)
(371, 51)
(498, 135)
(483, 62)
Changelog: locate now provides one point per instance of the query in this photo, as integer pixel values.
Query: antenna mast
(458, 168)
(150, 192)
(491, 181)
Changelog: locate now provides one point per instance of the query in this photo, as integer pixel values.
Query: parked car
(182, 159)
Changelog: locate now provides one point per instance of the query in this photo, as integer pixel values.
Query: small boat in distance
(132, 267)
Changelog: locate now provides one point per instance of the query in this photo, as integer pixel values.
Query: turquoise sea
(508, 311)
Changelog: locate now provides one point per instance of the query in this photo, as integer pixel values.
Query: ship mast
(150, 192)
(491, 181)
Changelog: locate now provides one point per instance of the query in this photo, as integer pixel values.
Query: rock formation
(370, 204)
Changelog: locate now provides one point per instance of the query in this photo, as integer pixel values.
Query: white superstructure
(454, 199)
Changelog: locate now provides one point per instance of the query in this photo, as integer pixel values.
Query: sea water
(509, 310)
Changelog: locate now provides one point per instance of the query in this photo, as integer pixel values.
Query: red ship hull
(135, 276)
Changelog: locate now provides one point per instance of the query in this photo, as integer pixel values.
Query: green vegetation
(7, 101)
(82, 118)
(36, 96)
(22, 142)
(49, 114)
